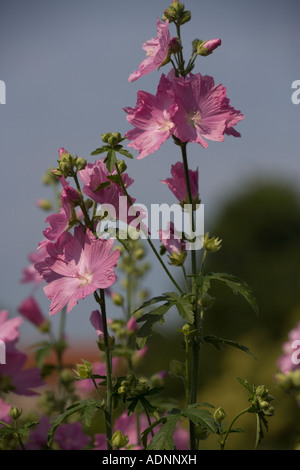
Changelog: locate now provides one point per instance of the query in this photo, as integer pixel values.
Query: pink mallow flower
(203, 110)
(18, 379)
(177, 184)
(156, 51)
(172, 240)
(76, 266)
(70, 436)
(4, 412)
(30, 310)
(9, 328)
(97, 322)
(152, 119)
(30, 274)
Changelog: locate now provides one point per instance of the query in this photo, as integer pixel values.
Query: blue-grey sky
(66, 66)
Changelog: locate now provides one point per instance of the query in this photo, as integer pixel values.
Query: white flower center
(194, 118)
(86, 278)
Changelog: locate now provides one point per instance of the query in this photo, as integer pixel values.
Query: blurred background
(66, 66)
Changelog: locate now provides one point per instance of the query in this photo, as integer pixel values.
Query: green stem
(223, 442)
(82, 205)
(185, 278)
(147, 235)
(108, 362)
(96, 387)
(187, 370)
(194, 381)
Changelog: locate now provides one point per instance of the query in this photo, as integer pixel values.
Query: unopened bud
(211, 244)
(117, 299)
(44, 204)
(80, 163)
(122, 166)
(14, 412)
(219, 415)
(119, 440)
(84, 370)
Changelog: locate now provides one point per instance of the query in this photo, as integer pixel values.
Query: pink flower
(152, 118)
(156, 50)
(30, 310)
(9, 328)
(20, 380)
(61, 152)
(75, 267)
(97, 323)
(171, 240)
(211, 45)
(70, 436)
(4, 412)
(177, 183)
(30, 274)
(132, 325)
(203, 110)
(59, 222)
(95, 175)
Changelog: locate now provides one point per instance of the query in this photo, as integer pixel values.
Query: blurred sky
(66, 65)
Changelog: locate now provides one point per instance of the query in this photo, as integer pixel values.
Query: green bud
(122, 166)
(49, 177)
(117, 299)
(114, 138)
(44, 204)
(211, 244)
(119, 440)
(177, 368)
(185, 17)
(139, 254)
(219, 415)
(45, 326)
(58, 172)
(177, 259)
(122, 390)
(66, 377)
(80, 163)
(14, 412)
(261, 391)
(84, 370)
(205, 301)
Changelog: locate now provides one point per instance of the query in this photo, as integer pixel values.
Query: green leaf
(245, 384)
(42, 353)
(237, 286)
(125, 153)
(146, 432)
(218, 342)
(185, 308)
(86, 408)
(110, 160)
(202, 417)
(163, 439)
(100, 150)
(106, 184)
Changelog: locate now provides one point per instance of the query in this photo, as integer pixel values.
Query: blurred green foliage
(260, 232)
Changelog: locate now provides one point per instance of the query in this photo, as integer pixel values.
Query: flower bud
(117, 299)
(119, 440)
(205, 301)
(122, 166)
(201, 433)
(219, 415)
(175, 45)
(132, 325)
(211, 244)
(84, 370)
(205, 48)
(14, 412)
(177, 259)
(44, 204)
(80, 163)
(139, 253)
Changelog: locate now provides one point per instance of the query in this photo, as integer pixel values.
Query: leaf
(103, 185)
(245, 384)
(237, 286)
(202, 417)
(163, 439)
(110, 160)
(185, 309)
(100, 150)
(88, 406)
(146, 432)
(218, 342)
(125, 153)
(42, 353)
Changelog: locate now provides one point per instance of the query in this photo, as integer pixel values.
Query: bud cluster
(262, 401)
(177, 14)
(289, 382)
(131, 386)
(69, 165)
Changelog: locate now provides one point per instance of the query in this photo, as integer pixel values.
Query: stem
(108, 410)
(96, 387)
(185, 278)
(147, 235)
(223, 442)
(19, 436)
(82, 205)
(194, 382)
(187, 367)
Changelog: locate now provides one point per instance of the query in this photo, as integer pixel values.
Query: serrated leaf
(185, 309)
(100, 150)
(125, 152)
(218, 342)
(163, 439)
(103, 185)
(110, 160)
(237, 286)
(202, 417)
(146, 431)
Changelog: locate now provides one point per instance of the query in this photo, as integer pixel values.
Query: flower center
(86, 278)
(165, 124)
(194, 118)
